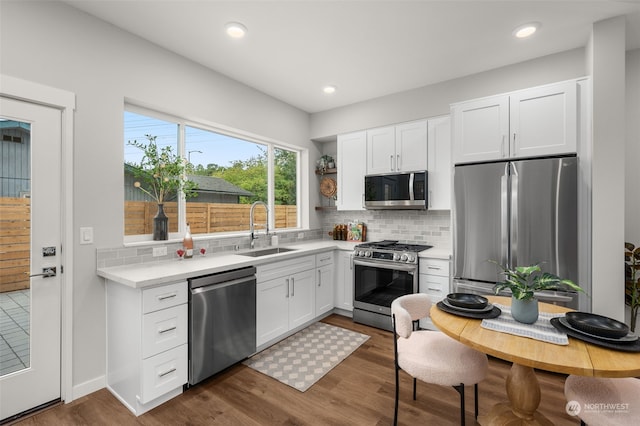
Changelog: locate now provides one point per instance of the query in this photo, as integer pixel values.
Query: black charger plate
(625, 347)
(494, 313)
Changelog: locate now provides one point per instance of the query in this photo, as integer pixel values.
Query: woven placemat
(539, 330)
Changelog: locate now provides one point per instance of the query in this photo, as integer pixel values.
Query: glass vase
(160, 225)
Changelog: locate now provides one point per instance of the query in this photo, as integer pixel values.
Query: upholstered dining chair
(432, 356)
(590, 392)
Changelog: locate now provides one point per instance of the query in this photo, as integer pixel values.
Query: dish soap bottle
(187, 244)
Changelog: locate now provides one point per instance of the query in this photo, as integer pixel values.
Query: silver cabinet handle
(287, 287)
(293, 287)
(391, 162)
(435, 289)
(168, 296)
(166, 330)
(319, 278)
(166, 372)
(513, 148)
(398, 162)
(437, 268)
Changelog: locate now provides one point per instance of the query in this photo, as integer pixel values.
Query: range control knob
(367, 253)
(396, 256)
(404, 257)
(410, 258)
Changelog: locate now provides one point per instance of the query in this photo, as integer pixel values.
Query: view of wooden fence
(203, 218)
(15, 235)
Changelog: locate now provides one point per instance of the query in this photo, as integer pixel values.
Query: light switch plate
(86, 235)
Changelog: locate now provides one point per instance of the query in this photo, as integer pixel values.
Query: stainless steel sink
(267, 251)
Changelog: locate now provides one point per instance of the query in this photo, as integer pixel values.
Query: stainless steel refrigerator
(516, 213)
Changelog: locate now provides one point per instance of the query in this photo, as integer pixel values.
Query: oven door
(377, 284)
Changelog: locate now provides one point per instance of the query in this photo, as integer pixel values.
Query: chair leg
(414, 388)
(475, 389)
(460, 389)
(395, 411)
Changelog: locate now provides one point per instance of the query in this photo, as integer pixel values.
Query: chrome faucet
(253, 235)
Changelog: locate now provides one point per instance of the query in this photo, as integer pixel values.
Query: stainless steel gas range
(383, 271)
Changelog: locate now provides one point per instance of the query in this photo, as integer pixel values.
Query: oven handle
(382, 265)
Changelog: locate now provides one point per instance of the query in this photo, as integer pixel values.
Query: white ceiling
(365, 48)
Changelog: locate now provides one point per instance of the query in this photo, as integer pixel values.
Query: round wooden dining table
(523, 390)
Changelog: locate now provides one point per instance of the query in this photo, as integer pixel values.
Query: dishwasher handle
(212, 287)
(222, 277)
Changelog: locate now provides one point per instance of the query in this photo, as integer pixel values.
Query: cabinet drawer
(163, 330)
(163, 373)
(324, 259)
(435, 286)
(434, 267)
(156, 298)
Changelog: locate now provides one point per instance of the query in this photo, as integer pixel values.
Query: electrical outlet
(300, 235)
(159, 251)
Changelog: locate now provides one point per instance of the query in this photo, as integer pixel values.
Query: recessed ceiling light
(235, 29)
(329, 89)
(526, 30)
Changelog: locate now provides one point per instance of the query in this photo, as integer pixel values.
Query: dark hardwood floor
(359, 391)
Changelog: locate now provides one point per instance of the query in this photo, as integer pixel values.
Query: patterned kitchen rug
(303, 358)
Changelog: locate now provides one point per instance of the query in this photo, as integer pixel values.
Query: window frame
(271, 145)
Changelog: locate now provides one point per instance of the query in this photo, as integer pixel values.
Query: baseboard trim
(88, 387)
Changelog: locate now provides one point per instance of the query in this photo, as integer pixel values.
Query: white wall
(55, 45)
(607, 52)
(434, 100)
(632, 157)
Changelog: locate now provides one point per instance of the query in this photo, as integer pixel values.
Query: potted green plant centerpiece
(632, 281)
(524, 281)
(162, 175)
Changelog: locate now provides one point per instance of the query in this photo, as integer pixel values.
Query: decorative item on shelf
(632, 281)
(162, 175)
(356, 231)
(187, 243)
(328, 187)
(524, 281)
(325, 162)
(180, 254)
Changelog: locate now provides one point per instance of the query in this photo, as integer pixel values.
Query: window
(228, 173)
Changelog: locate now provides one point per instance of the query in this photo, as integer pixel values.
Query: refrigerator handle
(504, 228)
(514, 216)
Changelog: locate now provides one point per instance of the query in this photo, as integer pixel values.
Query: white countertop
(147, 274)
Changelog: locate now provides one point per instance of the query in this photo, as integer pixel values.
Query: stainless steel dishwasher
(222, 321)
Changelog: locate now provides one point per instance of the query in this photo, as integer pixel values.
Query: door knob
(47, 272)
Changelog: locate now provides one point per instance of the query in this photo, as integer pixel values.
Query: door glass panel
(15, 246)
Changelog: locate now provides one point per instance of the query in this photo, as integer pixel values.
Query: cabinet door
(324, 289)
(411, 146)
(301, 298)
(344, 281)
(352, 152)
(272, 309)
(439, 163)
(543, 120)
(481, 129)
(381, 150)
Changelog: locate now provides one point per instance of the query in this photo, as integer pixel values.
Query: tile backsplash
(410, 226)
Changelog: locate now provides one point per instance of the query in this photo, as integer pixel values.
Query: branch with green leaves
(524, 281)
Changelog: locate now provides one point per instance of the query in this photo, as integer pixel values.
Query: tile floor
(14, 331)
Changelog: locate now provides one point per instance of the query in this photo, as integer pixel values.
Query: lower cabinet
(285, 297)
(435, 281)
(343, 298)
(324, 282)
(147, 333)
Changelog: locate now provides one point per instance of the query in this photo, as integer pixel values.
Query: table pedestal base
(523, 391)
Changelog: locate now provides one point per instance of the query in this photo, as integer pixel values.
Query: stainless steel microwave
(400, 191)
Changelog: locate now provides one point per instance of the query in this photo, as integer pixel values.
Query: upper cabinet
(439, 163)
(352, 148)
(532, 122)
(401, 148)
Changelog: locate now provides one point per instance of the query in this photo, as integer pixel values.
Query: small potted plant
(524, 281)
(162, 174)
(632, 281)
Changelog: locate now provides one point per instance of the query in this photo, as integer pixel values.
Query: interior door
(30, 235)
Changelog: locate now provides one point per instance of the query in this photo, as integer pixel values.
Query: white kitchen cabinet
(324, 283)
(344, 281)
(439, 165)
(435, 281)
(351, 164)
(400, 148)
(526, 123)
(285, 297)
(147, 334)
